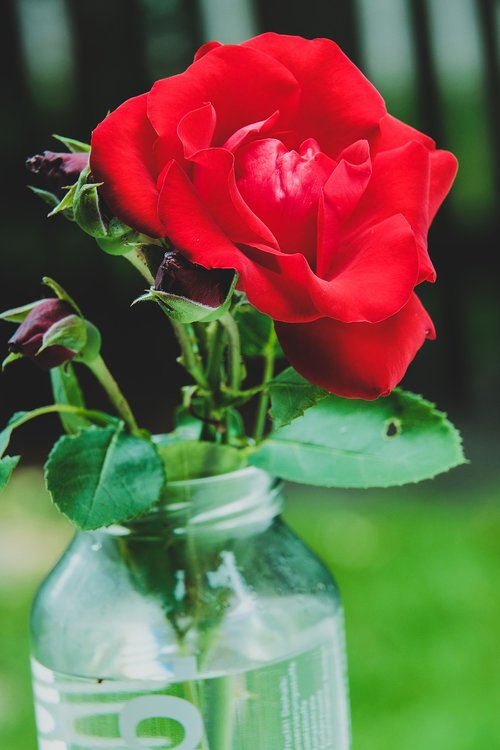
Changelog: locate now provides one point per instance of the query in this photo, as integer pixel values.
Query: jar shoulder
(130, 602)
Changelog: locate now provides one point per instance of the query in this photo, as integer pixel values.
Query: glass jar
(205, 625)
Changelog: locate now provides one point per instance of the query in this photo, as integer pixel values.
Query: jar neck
(236, 504)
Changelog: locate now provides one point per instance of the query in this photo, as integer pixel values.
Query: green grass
(418, 570)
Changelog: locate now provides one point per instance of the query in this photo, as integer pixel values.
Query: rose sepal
(184, 310)
(65, 206)
(86, 209)
(49, 198)
(76, 147)
(18, 314)
(69, 332)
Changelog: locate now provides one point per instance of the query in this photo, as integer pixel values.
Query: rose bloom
(277, 158)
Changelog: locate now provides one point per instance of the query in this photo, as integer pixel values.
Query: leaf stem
(269, 356)
(99, 368)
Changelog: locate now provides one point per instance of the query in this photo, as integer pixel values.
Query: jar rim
(222, 501)
(226, 476)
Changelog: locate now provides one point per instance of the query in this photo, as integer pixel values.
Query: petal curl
(122, 157)
(338, 104)
(357, 360)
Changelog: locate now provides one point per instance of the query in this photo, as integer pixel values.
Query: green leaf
(69, 332)
(76, 147)
(194, 459)
(18, 314)
(66, 390)
(352, 443)
(103, 476)
(256, 331)
(7, 466)
(291, 395)
(45, 195)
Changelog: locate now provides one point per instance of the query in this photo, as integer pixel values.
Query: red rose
(277, 158)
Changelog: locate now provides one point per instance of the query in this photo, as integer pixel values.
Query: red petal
(215, 183)
(341, 194)
(244, 86)
(283, 188)
(357, 360)
(205, 49)
(372, 275)
(248, 132)
(393, 133)
(277, 284)
(338, 105)
(399, 185)
(443, 170)
(122, 157)
(196, 129)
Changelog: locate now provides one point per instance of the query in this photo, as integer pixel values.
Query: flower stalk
(101, 371)
(269, 358)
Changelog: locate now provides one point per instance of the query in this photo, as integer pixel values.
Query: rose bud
(30, 339)
(58, 170)
(177, 275)
(190, 293)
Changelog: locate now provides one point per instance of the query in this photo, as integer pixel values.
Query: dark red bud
(28, 338)
(177, 275)
(57, 170)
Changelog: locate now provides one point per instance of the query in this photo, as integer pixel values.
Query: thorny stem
(99, 368)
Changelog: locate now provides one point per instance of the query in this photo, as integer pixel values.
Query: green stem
(189, 347)
(216, 345)
(233, 336)
(215, 354)
(98, 417)
(269, 356)
(99, 368)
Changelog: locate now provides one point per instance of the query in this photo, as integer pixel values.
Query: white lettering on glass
(164, 706)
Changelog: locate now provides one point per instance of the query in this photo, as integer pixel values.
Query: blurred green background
(418, 566)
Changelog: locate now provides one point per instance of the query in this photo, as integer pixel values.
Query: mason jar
(205, 625)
